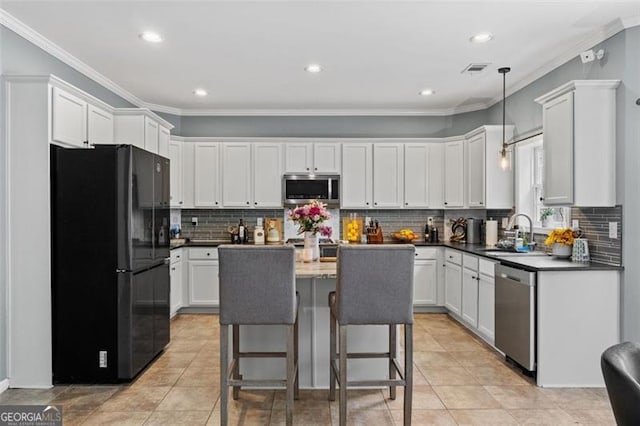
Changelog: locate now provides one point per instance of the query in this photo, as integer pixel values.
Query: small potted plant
(561, 240)
(545, 214)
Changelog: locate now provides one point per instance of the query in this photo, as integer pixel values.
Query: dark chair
(257, 287)
(621, 370)
(374, 286)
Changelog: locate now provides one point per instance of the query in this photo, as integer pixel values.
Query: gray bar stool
(374, 286)
(257, 287)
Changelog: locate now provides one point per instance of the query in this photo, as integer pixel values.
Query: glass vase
(312, 243)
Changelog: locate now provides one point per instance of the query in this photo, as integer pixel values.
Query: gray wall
(3, 267)
(21, 57)
(621, 61)
(327, 126)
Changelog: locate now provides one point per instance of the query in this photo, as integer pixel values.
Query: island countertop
(316, 270)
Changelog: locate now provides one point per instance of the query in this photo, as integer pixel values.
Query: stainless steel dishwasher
(515, 315)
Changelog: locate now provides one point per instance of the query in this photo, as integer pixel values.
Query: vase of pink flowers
(310, 219)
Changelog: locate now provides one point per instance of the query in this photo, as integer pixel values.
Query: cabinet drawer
(426, 253)
(487, 267)
(176, 255)
(453, 256)
(470, 262)
(203, 253)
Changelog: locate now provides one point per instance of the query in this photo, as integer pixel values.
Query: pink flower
(325, 231)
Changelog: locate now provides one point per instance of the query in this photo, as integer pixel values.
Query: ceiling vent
(474, 68)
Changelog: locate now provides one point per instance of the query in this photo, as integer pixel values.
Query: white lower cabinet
(486, 300)
(204, 288)
(453, 281)
(425, 277)
(176, 271)
(470, 290)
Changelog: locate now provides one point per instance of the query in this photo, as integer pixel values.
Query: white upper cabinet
(579, 139)
(163, 141)
(326, 157)
(312, 157)
(475, 171)
(175, 158)
(69, 119)
(436, 175)
(388, 160)
(99, 125)
(267, 174)
(151, 132)
(424, 175)
(236, 174)
(356, 175)
(299, 157)
(189, 175)
(142, 128)
(454, 174)
(416, 175)
(206, 174)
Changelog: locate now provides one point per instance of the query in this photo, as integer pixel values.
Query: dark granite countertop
(539, 261)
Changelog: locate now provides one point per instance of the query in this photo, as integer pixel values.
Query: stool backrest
(375, 284)
(257, 284)
(621, 370)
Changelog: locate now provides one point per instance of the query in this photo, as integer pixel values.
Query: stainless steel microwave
(301, 189)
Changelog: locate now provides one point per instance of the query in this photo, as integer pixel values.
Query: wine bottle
(242, 232)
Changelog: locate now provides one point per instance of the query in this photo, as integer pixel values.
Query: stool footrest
(367, 355)
(262, 354)
(382, 382)
(261, 382)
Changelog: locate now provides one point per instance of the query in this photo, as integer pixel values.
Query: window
(529, 171)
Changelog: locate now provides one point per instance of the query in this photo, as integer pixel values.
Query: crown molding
(34, 37)
(563, 56)
(594, 38)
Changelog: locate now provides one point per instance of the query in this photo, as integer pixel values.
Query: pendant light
(505, 163)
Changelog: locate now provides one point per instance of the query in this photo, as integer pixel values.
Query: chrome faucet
(512, 222)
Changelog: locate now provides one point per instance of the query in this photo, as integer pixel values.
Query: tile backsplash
(593, 221)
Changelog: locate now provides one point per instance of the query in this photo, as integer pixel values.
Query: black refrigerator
(110, 262)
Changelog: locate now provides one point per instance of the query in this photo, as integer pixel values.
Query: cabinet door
(204, 285)
(425, 281)
(99, 126)
(470, 297)
(416, 175)
(387, 174)
(486, 306)
(454, 174)
(267, 175)
(557, 121)
(151, 132)
(326, 157)
(356, 175)
(436, 176)
(453, 287)
(476, 171)
(206, 174)
(69, 119)
(236, 175)
(176, 287)
(163, 141)
(188, 176)
(298, 157)
(175, 158)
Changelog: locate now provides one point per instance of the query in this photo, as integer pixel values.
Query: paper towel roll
(492, 232)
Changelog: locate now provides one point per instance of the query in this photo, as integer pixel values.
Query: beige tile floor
(458, 380)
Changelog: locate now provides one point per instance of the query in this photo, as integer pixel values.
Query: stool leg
(408, 372)
(296, 394)
(236, 351)
(224, 374)
(392, 356)
(332, 356)
(343, 374)
(290, 373)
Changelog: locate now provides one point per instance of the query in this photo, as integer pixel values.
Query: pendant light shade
(505, 160)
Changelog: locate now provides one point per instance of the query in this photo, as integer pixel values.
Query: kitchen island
(314, 281)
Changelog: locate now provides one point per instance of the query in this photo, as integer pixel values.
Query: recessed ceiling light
(200, 92)
(481, 38)
(151, 37)
(313, 68)
(427, 92)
